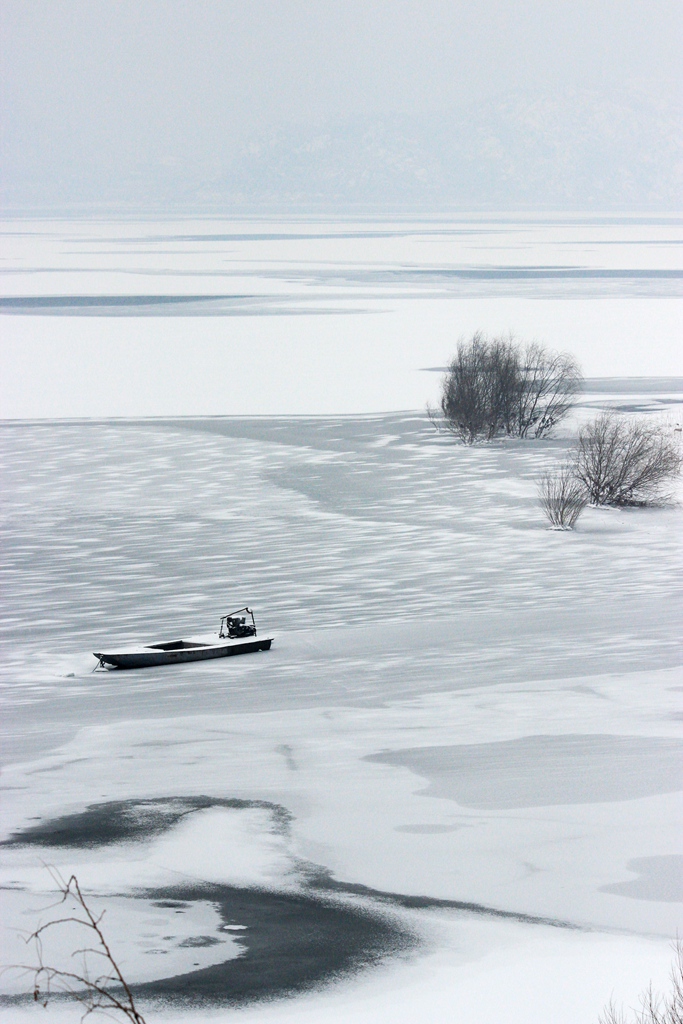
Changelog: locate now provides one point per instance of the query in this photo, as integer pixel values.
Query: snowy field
(451, 790)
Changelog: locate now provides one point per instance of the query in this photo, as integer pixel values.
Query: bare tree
(563, 498)
(104, 989)
(549, 383)
(622, 461)
(654, 1009)
(469, 391)
(492, 386)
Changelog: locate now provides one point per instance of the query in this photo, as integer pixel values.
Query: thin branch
(654, 1008)
(92, 993)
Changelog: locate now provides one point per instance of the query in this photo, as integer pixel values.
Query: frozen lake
(459, 765)
(259, 317)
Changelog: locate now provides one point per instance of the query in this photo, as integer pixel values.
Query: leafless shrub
(493, 386)
(96, 990)
(623, 461)
(468, 392)
(549, 383)
(654, 1009)
(563, 498)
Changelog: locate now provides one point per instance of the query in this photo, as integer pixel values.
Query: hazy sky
(156, 79)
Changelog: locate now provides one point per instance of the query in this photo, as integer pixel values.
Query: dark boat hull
(148, 657)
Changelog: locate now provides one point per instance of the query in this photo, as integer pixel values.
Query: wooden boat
(237, 635)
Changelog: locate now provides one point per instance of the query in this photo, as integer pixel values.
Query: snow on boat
(237, 635)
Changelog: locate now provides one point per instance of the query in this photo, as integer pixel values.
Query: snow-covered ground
(460, 705)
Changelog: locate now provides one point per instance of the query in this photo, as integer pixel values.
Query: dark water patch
(633, 385)
(168, 305)
(139, 820)
(542, 771)
(126, 821)
(289, 942)
(323, 880)
(290, 236)
(540, 273)
(292, 942)
(630, 408)
(48, 302)
(613, 385)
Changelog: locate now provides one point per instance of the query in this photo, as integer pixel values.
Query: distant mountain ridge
(580, 151)
(576, 151)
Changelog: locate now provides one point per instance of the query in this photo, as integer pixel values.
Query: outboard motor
(238, 626)
(235, 626)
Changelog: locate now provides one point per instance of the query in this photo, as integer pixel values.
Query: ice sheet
(317, 317)
(460, 705)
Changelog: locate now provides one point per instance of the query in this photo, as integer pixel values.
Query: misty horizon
(377, 107)
(513, 152)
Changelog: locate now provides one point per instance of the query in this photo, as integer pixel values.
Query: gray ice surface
(537, 771)
(420, 604)
(660, 879)
(389, 561)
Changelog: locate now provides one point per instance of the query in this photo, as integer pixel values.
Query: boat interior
(176, 645)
